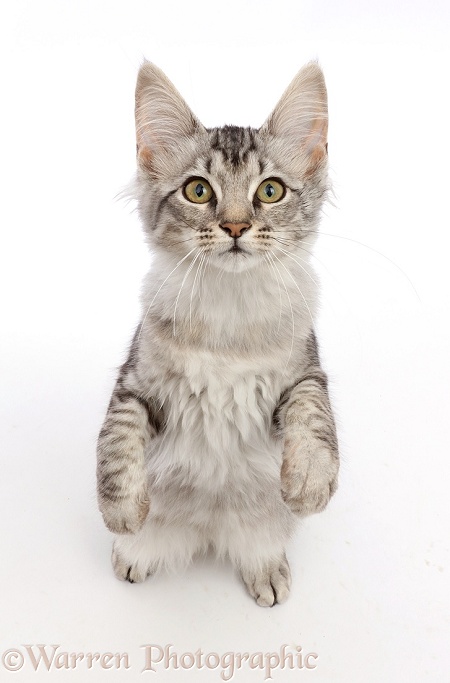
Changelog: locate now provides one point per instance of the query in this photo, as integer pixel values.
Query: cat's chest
(218, 414)
(223, 400)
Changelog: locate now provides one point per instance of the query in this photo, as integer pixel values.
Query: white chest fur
(218, 420)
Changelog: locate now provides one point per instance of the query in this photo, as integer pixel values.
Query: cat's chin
(236, 262)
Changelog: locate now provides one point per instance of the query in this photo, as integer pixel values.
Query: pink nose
(235, 229)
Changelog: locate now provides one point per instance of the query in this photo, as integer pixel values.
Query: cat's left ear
(301, 116)
(163, 119)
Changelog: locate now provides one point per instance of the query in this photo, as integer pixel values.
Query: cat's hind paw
(271, 585)
(133, 572)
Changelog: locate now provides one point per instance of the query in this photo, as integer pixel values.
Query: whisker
(270, 262)
(297, 245)
(160, 287)
(181, 287)
(336, 285)
(351, 239)
(295, 260)
(316, 258)
(219, 276)
(202, 258)
(202, 274)
(300, 291)
(292, 315)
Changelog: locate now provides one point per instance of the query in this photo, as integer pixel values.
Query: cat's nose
(235, 229)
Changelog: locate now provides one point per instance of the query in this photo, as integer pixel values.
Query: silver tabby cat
(219, 434)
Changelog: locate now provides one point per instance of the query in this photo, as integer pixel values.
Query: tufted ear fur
(163, 119)
(301, 116)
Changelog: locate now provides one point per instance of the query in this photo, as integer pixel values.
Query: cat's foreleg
(310, 461)
(122, 484)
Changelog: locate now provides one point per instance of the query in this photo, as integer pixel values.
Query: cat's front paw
(309, 476)
(126, 515)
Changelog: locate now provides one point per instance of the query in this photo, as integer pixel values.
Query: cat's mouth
(236, 249)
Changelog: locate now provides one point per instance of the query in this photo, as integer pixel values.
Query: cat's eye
(198, 191)
(270, 191)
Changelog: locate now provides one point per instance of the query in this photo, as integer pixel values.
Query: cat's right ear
(300, 118)
(163, 119)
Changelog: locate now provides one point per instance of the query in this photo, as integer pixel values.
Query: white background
(371, 586)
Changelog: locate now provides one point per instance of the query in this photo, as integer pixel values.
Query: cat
(219, 434)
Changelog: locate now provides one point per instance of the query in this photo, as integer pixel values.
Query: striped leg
(310, 458)
(122, 485)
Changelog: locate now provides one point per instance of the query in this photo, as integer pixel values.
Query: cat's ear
(163, 119)
(301, 115)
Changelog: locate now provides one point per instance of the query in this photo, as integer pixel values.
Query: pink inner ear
(315, 143)
(317, 136)
(144, 155)
(316, 157)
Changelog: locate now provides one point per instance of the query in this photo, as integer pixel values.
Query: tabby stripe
(161, 204)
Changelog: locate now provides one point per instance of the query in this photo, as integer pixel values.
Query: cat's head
(237, 194)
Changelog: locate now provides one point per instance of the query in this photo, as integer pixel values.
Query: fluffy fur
(219, 433)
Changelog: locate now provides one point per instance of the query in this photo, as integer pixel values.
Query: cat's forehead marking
(235, 144)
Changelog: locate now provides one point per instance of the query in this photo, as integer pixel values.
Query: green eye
(198, 191)
(270, 191)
